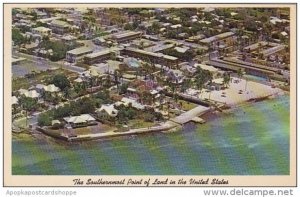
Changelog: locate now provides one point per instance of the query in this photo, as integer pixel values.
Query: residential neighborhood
(101, 72)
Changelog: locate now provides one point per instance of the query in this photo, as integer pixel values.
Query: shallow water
(250, 140)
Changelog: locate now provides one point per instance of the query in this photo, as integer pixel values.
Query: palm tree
(226, 79)
(28, 104)
(108, 81)
(240, 73)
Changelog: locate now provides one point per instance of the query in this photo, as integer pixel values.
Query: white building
(42, 31)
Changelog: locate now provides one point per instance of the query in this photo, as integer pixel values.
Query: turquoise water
(249, 140)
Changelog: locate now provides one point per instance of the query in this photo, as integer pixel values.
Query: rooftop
(126, 34)
(109, 109)
(79, 119)
(80, 50)
(217, 37)
(60, 23)
(97, 54)
(41, 28)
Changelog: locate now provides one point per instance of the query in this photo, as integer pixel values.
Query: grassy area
(140, 123)
(44, 76)
(57, 132)
(21, 123)
(187, 105)
(83, 131)
(101, 128)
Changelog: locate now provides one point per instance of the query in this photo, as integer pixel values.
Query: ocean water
(249, 140)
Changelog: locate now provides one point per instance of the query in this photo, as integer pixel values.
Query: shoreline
(165, 127)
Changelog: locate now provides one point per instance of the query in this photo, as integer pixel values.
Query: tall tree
(61, 81)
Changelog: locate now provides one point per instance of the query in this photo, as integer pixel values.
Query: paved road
(39, 61)
(165, 126)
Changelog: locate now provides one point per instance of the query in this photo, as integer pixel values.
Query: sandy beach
(239, 91)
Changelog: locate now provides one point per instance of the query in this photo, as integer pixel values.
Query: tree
(202, 77)
(123, 88)
(240, 73)
(87, 105)
(171, 34)
(155, 27)
(128, 26)
(28, 104)
(226, 79)
(44, 119)
(186, 85)
(17, 37)
(61, 81)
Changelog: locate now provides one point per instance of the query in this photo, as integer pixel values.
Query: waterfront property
(80, 121)
(124, 73)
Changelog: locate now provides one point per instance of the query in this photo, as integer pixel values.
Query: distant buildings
(77, 54)
(59, 27)
(97, 57)
(156, 58)
(126, 36)
(215, 41)
(42, 31)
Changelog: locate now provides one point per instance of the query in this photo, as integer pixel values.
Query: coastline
(189, 143)
(165, 127)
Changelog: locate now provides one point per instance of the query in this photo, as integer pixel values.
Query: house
(99, 41)
(175, 76)
(78, 80)
(14, 100)
(134, 103)
(211, 69)
(39, 88)
(77, 54)
(187, 69)
(55, 123)
(42, 31)
(48, 20)
(176, 26)
(51, 88)
(216, 84)
(107, 110)
(104, 68)
(59, 27)
(80, 121)
(68, 39)
(31, 94)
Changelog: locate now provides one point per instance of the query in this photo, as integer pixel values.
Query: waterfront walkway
(172, 123)
(165, 126)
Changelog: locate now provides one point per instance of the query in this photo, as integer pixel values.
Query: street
(38, 62)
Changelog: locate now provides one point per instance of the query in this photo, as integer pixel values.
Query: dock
(190, 115)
